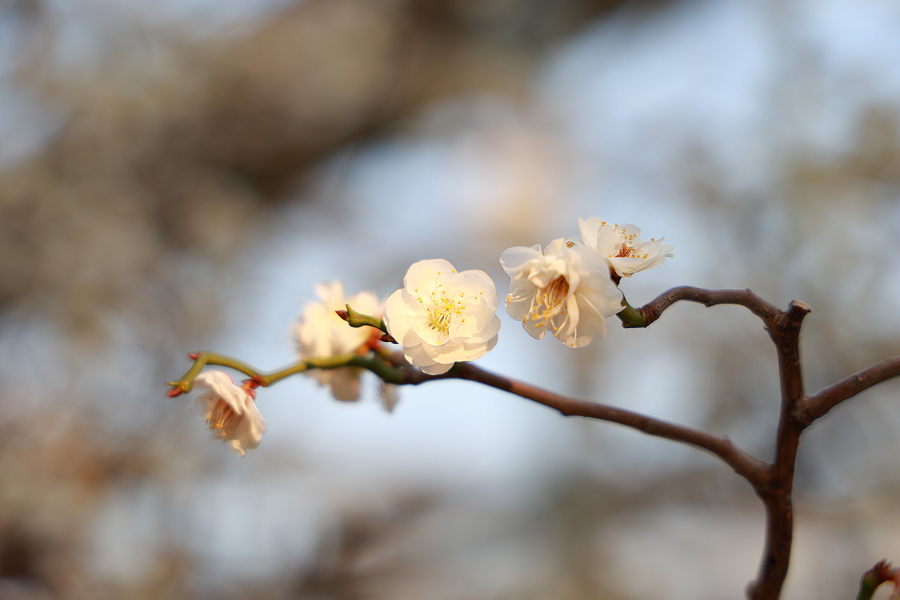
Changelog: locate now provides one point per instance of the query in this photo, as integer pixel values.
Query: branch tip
(798, 305)
(797, 310)
(356, 319)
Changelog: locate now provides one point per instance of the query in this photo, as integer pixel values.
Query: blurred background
(178, 175)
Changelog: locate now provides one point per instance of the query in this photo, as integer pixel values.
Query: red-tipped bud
(343, 314)
(176, 391)
(388, 338)
(874, 577)
(193, 355)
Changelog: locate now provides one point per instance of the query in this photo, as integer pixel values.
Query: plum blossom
(231, 412)
(622, 246)
(441, 316)
(320, 333)
(564, 288)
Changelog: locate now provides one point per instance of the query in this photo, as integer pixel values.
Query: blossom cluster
(570, 288)
(442, 316)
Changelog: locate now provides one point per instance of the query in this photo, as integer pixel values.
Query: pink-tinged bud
(343, 314)
(193, 355)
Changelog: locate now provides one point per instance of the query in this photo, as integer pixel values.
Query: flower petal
(490, 330)
(428, 275)
(512, 259)
(396, 316)
(218, 384)
(590, 230)
(436, 368)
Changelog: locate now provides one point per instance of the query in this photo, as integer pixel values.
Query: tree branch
(376, 362)
(773, 483)
(743, 464)
(818, 404)
(784, 329)
(653, 309)
(398, 372)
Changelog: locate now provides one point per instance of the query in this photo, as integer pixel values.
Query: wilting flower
(320, 333)
(621, 245)
(563, 288)
(231, 412)
(441, 316)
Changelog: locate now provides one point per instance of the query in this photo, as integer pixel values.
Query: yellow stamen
(222, 418)
(440, 313)
(548, 302)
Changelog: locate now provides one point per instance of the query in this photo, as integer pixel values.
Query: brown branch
(818, 404)
(765, 311)
(776, 493)
(772, 483)
(743, 464)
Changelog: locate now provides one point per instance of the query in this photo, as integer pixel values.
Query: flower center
(627, 249)
(549, 301)
(442, 311)
(222, 419)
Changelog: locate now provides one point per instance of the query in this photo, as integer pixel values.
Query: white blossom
(564, 288)
(622, 246)
(231, 412)
(320, 333)
(441, 316)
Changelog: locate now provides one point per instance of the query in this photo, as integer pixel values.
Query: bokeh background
(178, 175)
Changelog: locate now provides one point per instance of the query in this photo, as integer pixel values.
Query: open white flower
(231, 412)
(320, 333)
(622, 246)
(441, 316)
(563, 288)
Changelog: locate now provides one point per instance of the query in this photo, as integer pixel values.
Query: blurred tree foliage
(165, 148)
